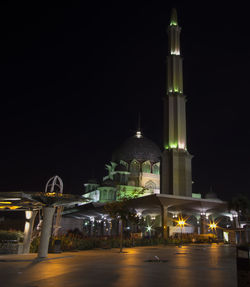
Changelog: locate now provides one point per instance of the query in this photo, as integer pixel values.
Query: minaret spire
(173, 18)
(138, 132)
(175, 123)
(176, 161)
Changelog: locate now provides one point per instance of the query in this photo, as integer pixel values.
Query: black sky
(74, 77)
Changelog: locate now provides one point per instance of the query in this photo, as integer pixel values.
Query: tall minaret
(176, 176)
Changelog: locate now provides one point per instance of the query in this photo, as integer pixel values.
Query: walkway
(189, 266)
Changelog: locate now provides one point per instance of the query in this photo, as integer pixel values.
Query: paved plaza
(188, 266)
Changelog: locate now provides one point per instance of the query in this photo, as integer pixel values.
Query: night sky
(74, 77)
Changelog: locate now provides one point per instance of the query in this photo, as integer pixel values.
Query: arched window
(134, 166)
(156, 168)
(150, 185)
(146, 167)
(124, 163)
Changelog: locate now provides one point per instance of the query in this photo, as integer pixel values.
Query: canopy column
(165, 222)
(48, 213)
(30, 216)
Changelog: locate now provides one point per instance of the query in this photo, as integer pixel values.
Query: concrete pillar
(48, 213)
(28, 229)
(164, 222)
(92, 229)
(102, 228)
(197, 224)
(203, 224)
(114, 228)
(236, 221)
(58, 220)
(117, 227)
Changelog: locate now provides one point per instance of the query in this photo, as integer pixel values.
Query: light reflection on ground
(188, 266)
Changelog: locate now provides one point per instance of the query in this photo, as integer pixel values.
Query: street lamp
(213, 225)
(148, 229)
(181, 222)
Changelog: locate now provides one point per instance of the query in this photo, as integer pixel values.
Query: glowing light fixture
(5, 202)
(212, 225)
(9, 207)
(28, 214)
(138, 134)
(149, 228)
(181, 222)
(52, 194)
(14, 207)
(139, 214)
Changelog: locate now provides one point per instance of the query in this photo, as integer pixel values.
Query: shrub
(34, 245)
(76, 241)
(11, 235)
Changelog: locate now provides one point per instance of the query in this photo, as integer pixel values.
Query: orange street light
(181, 222)
(212, 225)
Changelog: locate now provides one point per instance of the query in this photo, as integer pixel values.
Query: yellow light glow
(53, 194)
(212, 225)
(5, 202)
(9, 207)
(14, 207)
(181, 222)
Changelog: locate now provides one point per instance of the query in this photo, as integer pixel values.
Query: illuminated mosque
(162, 178)
(137, 163)
(165, 177)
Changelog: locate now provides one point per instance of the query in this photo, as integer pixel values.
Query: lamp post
(148, 229)
(181, 222)
(213, 226)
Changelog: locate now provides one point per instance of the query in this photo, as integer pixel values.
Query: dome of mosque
(211, 195)
(139, 148)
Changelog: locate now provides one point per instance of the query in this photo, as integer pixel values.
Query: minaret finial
(173, 18)
(138, 132)
(139, 122)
